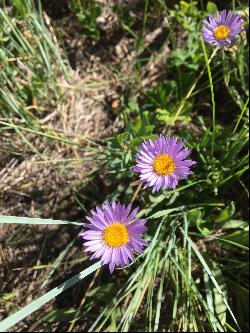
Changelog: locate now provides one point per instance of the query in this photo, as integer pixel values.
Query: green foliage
(236, 72)
(194, 275)
(27, 55)
(21, 9)
(121, 148)
(162, 100)
(126, 16)
(87, 13)
(187, 14)
(212, 8)
(30, 66)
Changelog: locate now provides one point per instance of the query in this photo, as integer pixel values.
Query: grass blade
(212, 91)
(240, 117)
(37, 304)
(30, 220)
(208, 270)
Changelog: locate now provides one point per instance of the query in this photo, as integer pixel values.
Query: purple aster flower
(161, 162)
(114, 234)
(223, 29)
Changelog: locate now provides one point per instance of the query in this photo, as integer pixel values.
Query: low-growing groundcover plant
(179, 263)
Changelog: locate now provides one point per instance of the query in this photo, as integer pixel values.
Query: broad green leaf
(226, 214)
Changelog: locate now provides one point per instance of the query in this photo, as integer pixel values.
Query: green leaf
(104, 291)
(137, 124)
(235, 224)
(212, 8)
(226, 214)
(239, 236)
(30, 220)
(59, 315)
(122, 138)
(227, 242)
(219, 305)
(166, 117)
(7, 296)
(241, 295)
(165, 212)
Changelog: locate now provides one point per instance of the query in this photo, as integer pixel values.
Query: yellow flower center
(116, 235)
(163, 165)
(221, 32)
